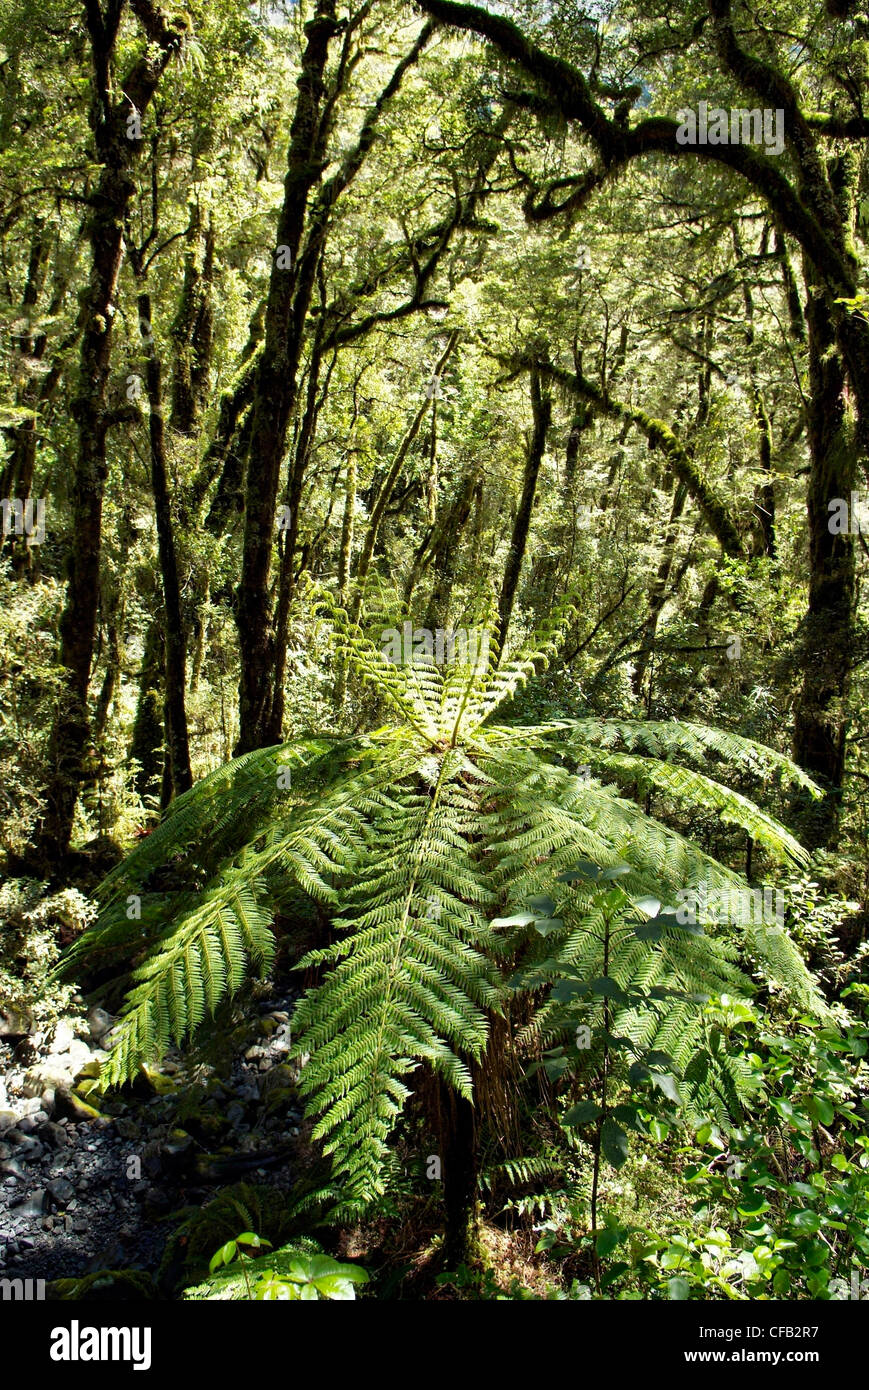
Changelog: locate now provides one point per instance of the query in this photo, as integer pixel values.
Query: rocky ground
(93, 1186)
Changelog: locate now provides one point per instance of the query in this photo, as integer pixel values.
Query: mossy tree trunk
(117, 144)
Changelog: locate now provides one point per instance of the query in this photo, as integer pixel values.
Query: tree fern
(413, 837)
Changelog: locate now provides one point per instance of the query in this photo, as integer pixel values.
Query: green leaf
(543, 905)
(566, 990)
(753, 1204)
(649, 931)
(273, 1290)
(661, 1061)
(608, 1240)
(555, 1067)
(545, 925)
(822, 1110)
(583, 869)
(249, 1238)
(606, 986)
(806, 1221)
(614, 1143)
(666, 1083)
(669, 916)
(224, 1256)
(582, 1114)
(627, 1115)
(333, 1286)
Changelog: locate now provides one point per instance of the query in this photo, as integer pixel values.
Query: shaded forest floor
(85, 1190)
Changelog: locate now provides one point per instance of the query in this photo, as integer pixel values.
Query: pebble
(55, 1134)
(62, 1190)
(29, 1150)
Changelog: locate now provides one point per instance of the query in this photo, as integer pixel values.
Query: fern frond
(411, 983)
(202, 959)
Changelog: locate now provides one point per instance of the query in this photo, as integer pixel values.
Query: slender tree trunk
(115, 604)
(388, 487)
(273, 732)
(658, 590)
(146, 745)
(541, 407)
(345, 557)
(192, 332)
(445, 546)
(177, 741)
(764, 497)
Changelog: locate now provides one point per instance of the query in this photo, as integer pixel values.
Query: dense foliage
(433, 452)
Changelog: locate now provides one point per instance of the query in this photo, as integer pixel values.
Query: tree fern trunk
(460, 1160)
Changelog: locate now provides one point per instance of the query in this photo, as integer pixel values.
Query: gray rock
(71, 1107)
(50, 1074)
(54, 1134)
(99, 1023)
(61, 1190)
(28, 1149)
(31, 1206)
